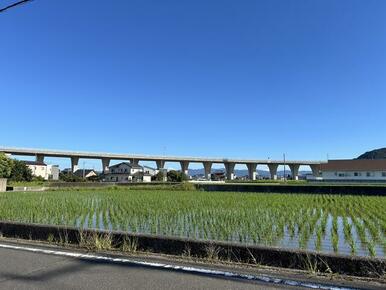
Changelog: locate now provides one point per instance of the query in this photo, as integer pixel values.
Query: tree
(159, 176)
(20, 171)
(70, 177)
(172, 176)
(5, 166)
(184, 177)
(176, 176)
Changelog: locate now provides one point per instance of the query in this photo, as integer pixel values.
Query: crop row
(346, 224)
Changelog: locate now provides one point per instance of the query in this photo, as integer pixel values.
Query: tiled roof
(128, 164)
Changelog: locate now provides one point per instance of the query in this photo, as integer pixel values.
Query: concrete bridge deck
(229, 163)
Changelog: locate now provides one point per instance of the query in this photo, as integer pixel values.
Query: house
(40, 169)
(217, 176)
(150, 170)
(141, 176)
(86, 173)
(354, 170)
(126, 172)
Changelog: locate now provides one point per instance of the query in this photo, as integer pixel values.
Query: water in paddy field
(343, 246)
(359, 246)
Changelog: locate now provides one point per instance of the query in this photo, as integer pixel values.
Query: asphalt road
(41, 266)
(27, 270)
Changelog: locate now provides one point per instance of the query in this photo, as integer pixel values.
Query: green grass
(341, 224)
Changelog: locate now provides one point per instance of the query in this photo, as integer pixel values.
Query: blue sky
(248, 79)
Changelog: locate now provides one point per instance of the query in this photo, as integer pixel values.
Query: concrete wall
(354, 175)
(376, 190)
(147, 178)
(3, 184)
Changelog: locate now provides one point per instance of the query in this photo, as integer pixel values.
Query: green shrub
(20, 171)
(5, 166)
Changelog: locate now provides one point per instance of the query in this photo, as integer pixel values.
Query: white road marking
(261, 278)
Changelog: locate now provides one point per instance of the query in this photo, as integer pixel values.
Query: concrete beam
(160, 164)
(105, 165)
(230, 170)
(295, 171)
(273, 170)
(74, 163)
(208, 169)
(185, 167)
(252, 170)
(39, 158)
(113, 156)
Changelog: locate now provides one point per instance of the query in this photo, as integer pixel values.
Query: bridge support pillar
(315, 170)
(208, 169)
(39, 158)
(252, 170)
(105, 165)
(160, 164)
(161, 167)
(74, 164)
(185, 167)
(294, 171)
(230, 170)
(273, 170)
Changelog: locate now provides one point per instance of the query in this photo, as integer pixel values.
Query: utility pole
(284, 167)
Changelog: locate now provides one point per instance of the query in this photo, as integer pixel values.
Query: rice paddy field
(353, 225)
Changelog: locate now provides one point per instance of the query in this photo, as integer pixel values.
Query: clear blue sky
(208, 78)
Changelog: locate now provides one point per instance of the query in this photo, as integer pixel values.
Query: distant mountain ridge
(374, 154)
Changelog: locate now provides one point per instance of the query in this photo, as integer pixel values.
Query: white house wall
(118, 177)
(354, 175)
(38, 170)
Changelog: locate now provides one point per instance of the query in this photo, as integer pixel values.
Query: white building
(127, 172)
(150, 170)
(354, 170)
(40, 169)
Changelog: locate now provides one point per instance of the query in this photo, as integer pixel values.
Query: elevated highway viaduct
(160, 161)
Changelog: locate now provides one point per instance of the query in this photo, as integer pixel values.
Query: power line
(13, 5)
